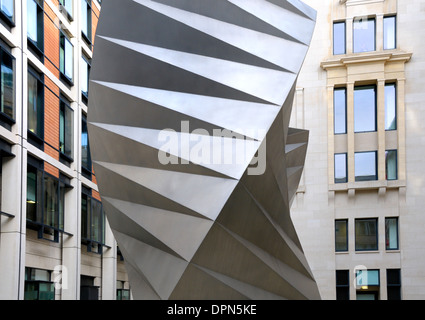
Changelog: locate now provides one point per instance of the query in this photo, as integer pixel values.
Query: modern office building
(55, 241)
(359, 210)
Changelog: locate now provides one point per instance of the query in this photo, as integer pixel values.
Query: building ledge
(368, 185)
(366, 57)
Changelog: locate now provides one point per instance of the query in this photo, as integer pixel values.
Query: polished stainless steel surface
(188, 117)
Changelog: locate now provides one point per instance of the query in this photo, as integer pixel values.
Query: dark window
(7, 101)
(67, 4)
(84, 78)
(66, 125)
(365, 164)
(45, 202)
(38, 285)
(7, 11)
(66, 57)
(366, 234)
(341, 235)
(35, 25)
(391, 164)
(92, 223)
(85, 149)
(123, 294)
(364, 108)
(364, 35)
(88, 291)
(86, 28)
(390, 106)
(342, 285)
(393, 284)
(390, 38)
(339, 38)
(391, 233)
(340, 110)
(35, 106)
(340, 168)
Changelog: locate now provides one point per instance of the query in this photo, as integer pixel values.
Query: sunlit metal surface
(188, 117)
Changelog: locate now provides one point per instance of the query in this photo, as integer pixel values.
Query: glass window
(38, 285)
(393, 284)
(366, 233)
(7, 8)
(391, 233)
(85, 147)
(341, 235)
(365, 166)
(84, 77)
(92, 223)
(66, 63)
(389, 33)
(66, 123)
(51, 202)
(34, 194)
(35, 106)
(363, 35)
(391, 164)
(390, 106)
(339, 37)
(7, 106)
(340, 168)
(342, 285)
(35, 23)
(367, 277)
(364, 108)
(340, 110)
(86, 20)
(67, 4)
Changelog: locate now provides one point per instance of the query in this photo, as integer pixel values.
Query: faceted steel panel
(188, 118)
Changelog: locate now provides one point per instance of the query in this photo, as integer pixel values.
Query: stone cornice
(360, 58)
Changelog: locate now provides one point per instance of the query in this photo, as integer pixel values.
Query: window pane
(35, 110)
(68, 5)
(366, 234)
(364, 35)
(51, 202)
(84, 78)
(85, 147)
(391, 233)
(66, 119)
(365, 109)
(390, 107)
(66, 57)
(389, 33)
(7, 8)
(97, 222)
(32, 20)
(365, 166)
(7, 85)
(339, 37)
(340, 168)
(367, 277)
(340, 111)
(34, 194)
(341, 235)
(391, 164)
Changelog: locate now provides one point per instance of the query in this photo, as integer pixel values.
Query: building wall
(320, 201)
(20, 246)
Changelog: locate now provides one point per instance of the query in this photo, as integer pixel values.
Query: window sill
(368, 185)
(367, 251)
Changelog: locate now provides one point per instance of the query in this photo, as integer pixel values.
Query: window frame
(338, 89)
(361, 19)
(37, 47)
(87, 239)
(360, 88)
(64, 105)
(392, 84)
(87, 37)
(339, 286)
(28, 270)
(37, 139)
(10, 21)
(357, 220)
(62, 63)
(346, 235)
(63, 8)
(390, 16)
(376, 166)
(391, 285)
(346, 167)
(343, 22)
(396, 164)
(5, 118)
(387, 248)
(85, 95)
(86, 171)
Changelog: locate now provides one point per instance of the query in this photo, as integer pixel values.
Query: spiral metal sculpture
(189, 133)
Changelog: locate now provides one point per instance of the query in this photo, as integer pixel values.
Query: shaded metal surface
(195, 229)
